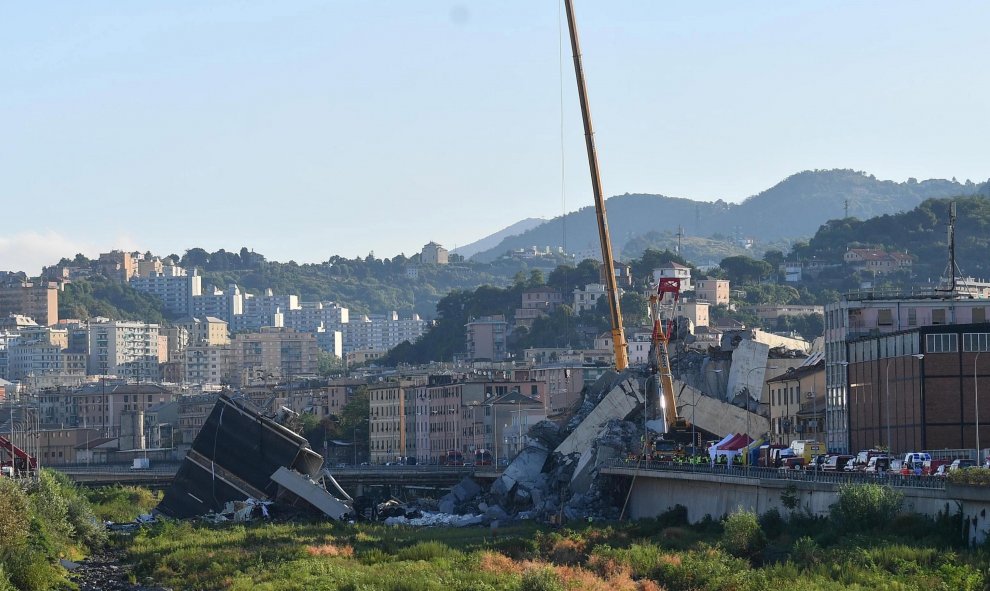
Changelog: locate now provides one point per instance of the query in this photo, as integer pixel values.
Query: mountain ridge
(791, 209)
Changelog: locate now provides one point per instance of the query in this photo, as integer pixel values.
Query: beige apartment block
(274, 353)
(38, 301)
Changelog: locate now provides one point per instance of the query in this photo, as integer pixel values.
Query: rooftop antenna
(950, 273)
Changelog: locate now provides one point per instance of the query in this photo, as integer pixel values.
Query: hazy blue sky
(304, 129)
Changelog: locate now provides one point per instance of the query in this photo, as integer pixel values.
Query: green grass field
(743, 552)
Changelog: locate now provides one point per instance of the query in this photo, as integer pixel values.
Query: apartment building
(41, 358)
(126, 349)
(587, 299)
(273, 353)
(713, 291)
(215, 302)
(38, 301)
(797, 404)
(206, 364)
(486, 339)
(391, 424)
(381, 332)
(536, 303)
(313, 316)
(117, 265)
(102, 405)
(176, 288)
(674, 271)
(208, 330)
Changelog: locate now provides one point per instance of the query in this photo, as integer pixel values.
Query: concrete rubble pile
(558, 471)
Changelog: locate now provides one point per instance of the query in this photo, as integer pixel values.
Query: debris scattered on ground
(430, 519)
(104, 572)
(246, 510)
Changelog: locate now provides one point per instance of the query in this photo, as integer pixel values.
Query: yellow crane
(612, 287)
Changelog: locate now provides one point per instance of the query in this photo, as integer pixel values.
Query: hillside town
(891, 370)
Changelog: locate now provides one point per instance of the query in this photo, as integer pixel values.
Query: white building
(173, 286)
(314, 316)
(220, 304)
(587, 298)
(126, 349)
(381, 332)
(674, 271)
(40, 357)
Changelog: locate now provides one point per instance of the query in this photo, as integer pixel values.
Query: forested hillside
(794, 208)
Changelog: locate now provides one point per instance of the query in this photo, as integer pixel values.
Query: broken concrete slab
(583, 472)
(301, 487)
(624, 399)
(466, 489)
(233, 458)
(547, 433)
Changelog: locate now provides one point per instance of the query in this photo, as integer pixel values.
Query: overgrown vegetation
(122, 504)
(972, 476)
(41, 523)
(741, 553)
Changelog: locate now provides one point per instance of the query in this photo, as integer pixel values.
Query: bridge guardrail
(893, 480)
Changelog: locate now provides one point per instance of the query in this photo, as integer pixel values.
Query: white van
(915, 457)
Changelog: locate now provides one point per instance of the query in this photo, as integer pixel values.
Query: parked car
(862, 459)
(961, 463)
(930, 467)
(818, 462)
(878, 465)
(836, 463)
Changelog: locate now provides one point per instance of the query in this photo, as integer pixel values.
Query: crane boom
(668, 290)
(612, 287)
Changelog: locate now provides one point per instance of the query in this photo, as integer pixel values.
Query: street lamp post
(814, 412)
(748, 373)
(354, 439)
(976, 400)
(694, 407)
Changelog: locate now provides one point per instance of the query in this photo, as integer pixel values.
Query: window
(941, 343)
(938, 316)
(976, 341)
(979, 315)
(885, 317)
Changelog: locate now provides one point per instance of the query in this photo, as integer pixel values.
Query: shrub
(743, 536)
(772, 523)
(28, 569)
(568, 551)
(13, 512)
(52, 510)
(708, 568)
(427, 551)
(5, 584)
(806, 552)
(121, 504)
(541, 579)
(974, 476)
(865, 506)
